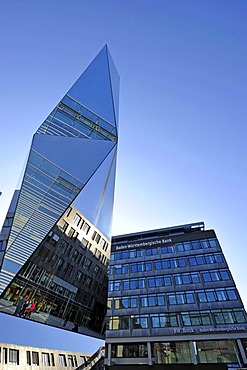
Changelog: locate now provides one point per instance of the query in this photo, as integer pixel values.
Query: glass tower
(72, 161)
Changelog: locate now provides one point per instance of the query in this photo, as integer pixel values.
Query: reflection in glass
(55, 252)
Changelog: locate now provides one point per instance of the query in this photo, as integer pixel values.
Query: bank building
(172, 301)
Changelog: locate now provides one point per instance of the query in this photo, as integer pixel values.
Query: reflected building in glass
(172, 302)
(55, 240)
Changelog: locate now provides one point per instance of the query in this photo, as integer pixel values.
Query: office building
(172, 301)
(16, 357)
(72, 161)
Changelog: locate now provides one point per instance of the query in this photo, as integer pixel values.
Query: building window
(14, 356)
(164, 320)
(87, 264)
(45, 359)
(84, 242)
(130, 284)
(75, 360)
(195, 318)
(121, 269)
(167, 249)
(118, 323)
(141, 267)
(96, 270)
(97, 239)
(129, 350)
(126, 302)
(151, 252)
(68, 269)
(139, 321)
(78, 275)
(157, 281)
(59, 264)
(71, 232)
(68, 211)
(152, 300)
(229, 316)
(5, 355)
(171, 353)
(35, 358)
(29, 358)
(191, 278)
(75, 255)
(88, 281)
(86, 227)
(181, 298)
(70, 361)
(76, 219)
(213, 295)
(215, 275)
(64, 226)
(97, 253)
(114, 286)
(126, 254)
(221, 351)
(62, 360)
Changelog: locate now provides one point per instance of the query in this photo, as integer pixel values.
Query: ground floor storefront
(224, 353)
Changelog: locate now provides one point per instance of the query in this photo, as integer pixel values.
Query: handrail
(93, 360)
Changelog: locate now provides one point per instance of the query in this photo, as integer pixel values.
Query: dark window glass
(206, 277)
(158, 265)
(139, 253)
(224, 275)
(199, 260)
(196, 245)
(151, 282)
(231, 294)
(192, 261)
(160, 300)
(204, 244)
(202, 297)
(187, 246)
(167, 280)
(218, 258)
(165, 264)
(180, 247)
(210, 296)
(213, 243)
(190, 298)
(195, 278)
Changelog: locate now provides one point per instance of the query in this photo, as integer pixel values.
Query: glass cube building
(70, 168)
(173, 303)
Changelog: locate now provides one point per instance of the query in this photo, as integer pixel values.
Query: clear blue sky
(183, 134)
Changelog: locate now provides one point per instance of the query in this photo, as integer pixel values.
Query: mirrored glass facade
(72, 163)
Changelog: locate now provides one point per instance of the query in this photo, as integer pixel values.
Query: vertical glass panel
(222, 351)
(171, 352)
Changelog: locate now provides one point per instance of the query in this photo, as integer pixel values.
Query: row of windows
(75, 257)
(78, 221)
(12, 356)
(42, 277)
(177, 247)
(168, 280)
(182, 319)
(220, 351)
(167, 264)
(161, 299)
